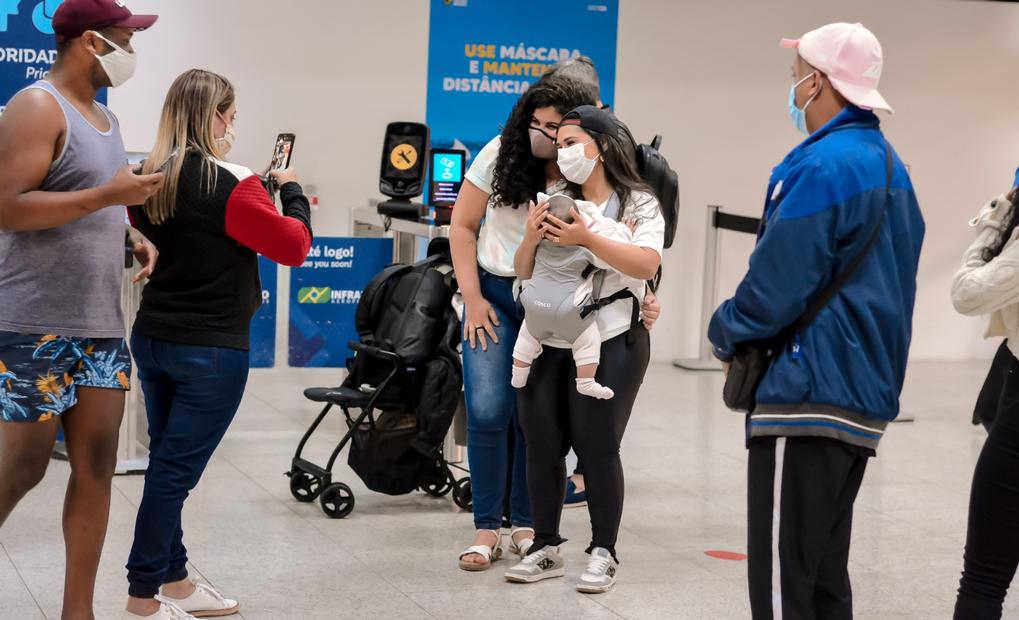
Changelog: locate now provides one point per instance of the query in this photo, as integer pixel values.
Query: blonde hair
(186, 124)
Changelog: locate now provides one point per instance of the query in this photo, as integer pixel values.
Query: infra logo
(314, 295)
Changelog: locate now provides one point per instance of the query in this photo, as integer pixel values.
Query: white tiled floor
(394, 557)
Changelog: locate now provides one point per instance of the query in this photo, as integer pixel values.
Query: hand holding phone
(282, 177)
(129, 187)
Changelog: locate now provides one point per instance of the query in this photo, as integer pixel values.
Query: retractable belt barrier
(717, 222)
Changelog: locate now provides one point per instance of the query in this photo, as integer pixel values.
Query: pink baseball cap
(850, 55)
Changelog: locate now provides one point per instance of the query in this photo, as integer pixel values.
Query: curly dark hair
(518, 174)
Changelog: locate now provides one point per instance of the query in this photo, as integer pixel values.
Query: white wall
(333, 72)
(707, 75)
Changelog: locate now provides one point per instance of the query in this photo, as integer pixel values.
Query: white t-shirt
(614, 319)
(502, 230)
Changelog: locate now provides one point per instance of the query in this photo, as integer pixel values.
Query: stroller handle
(373, 351)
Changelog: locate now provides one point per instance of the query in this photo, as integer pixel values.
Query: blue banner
(324, 292)
(482, 54)
(28, 46)
(263, 325)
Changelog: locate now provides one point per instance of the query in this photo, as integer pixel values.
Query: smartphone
(170, 159)
(283, 152)
(174, 154)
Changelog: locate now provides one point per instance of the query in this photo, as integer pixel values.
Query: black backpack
(406, 310)
(403, 309)
(657, 173)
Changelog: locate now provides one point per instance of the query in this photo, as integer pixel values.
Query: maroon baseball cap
(76, 17)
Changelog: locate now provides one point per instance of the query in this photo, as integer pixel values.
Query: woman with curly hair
(488, 225)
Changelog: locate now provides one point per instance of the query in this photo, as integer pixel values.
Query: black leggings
(554, 417)
(986, 408)
(992, 538)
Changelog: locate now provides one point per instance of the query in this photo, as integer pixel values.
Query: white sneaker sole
(551, 574)
(592, 589)
(205, 613)
(215, 613)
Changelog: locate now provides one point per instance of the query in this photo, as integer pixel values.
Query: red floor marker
(725, 555)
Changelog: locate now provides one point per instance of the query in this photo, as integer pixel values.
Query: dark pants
(191, 396)
(814, 481)
(986, 408)
(992, 538)
(555, 417)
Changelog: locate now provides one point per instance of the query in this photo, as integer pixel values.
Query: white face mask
(227, 141)
(574, 164)
(119, 64)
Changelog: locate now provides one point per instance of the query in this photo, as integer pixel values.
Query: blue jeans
(492, 415)
(191, 396)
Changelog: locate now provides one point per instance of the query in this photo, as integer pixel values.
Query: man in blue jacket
(832, 389)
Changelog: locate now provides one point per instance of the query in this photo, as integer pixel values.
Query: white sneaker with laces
(544, 563)
(600, 574)
(167, 611)
(204, 602)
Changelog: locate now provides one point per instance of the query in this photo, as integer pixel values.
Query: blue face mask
(799, 116)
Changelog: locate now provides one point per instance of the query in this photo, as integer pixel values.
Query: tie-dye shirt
(502, 230)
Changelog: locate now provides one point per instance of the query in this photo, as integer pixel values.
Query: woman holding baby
(554, 414)
(489, 223)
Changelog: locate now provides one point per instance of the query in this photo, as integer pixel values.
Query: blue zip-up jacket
(842, 376)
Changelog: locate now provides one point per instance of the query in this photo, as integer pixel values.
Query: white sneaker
(544, 563)
(167, 611)
(600, 574)
(204, 602)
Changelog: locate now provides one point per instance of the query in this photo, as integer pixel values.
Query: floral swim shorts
(39, 375)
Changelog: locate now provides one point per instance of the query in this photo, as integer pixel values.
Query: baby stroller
(404, 384)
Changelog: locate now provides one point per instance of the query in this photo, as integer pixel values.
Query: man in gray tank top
(63, 184)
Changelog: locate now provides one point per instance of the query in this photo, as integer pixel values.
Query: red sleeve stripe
(253, 221)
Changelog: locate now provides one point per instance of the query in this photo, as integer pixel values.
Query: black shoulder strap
(821, 301)
(598, 304)
(371, 301)
(656, 281)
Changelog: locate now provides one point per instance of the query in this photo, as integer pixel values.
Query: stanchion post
(705, 361)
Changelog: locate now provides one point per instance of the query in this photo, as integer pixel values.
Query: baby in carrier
(556, 299)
